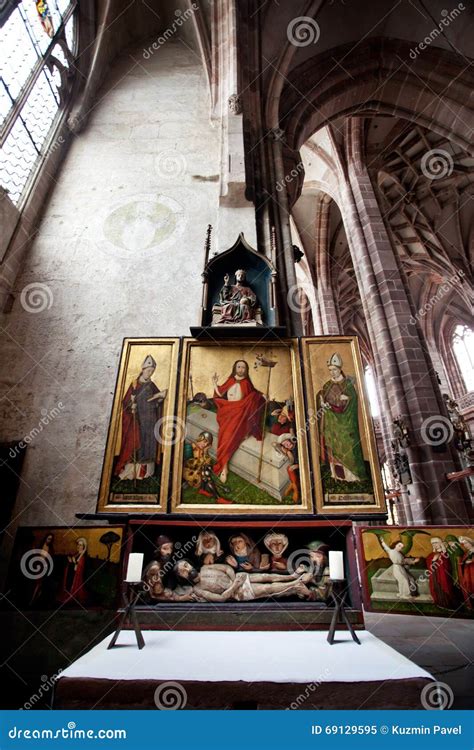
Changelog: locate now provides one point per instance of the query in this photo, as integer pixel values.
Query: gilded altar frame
(239, 349)
(316, 351)
(166, 353)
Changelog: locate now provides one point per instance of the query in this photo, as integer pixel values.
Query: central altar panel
(241, 411)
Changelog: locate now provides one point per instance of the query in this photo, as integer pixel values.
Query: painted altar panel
(73, 567)
(346, 471)
(425, 570)
(142, 428)
(244, 445)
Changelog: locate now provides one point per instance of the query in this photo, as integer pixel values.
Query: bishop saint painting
(341, 443)
(137, 449)
(142, 407)
(345, 460)
(241, 444)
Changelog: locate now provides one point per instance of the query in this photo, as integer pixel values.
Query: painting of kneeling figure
(418, 570)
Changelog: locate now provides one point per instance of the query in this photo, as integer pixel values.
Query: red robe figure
(240, 409)
(440, 576)
(140, 451)
(73, 589)
(466, 571)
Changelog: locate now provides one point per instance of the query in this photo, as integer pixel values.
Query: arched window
(463, 348)
(372, 392)
(37, 49)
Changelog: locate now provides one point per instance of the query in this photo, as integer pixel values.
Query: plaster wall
(119, 253)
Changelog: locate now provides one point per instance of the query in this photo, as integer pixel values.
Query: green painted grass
(338, 487)
(150, 486)
(240, 492)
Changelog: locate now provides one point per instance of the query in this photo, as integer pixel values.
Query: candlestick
(336, 565)
(135, 567)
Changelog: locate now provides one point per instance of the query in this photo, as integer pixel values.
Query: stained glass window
(463, 347)
(37, 49)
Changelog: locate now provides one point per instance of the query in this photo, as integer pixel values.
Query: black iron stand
(338, 594)
(129, 615)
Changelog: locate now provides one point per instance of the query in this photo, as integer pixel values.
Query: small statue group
(237, 303)
(209, 574)
(462, 437)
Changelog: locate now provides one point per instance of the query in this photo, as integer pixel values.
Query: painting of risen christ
(240, 407)
(242, 447)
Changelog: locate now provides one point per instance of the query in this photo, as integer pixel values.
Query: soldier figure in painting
(339, 425)
(140, 450)
(287, 445)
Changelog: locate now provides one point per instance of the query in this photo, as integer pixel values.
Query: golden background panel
(421, 543)
(64, 541)
(205, 361)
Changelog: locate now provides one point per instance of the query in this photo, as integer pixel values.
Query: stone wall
(119, 253)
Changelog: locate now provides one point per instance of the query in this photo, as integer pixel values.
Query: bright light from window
(29, 90)
(463, 348)
(372, 392)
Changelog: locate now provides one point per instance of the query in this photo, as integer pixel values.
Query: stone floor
(442, 646)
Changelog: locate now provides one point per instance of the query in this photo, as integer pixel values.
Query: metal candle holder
(338, 594)
(129, 615)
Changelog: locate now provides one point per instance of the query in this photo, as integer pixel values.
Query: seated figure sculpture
(238, 303)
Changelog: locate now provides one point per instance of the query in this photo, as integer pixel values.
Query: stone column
(327, 304)
(399, 349)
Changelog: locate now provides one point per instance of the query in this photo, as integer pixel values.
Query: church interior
(236, 353)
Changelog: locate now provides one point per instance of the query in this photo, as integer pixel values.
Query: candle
(134, 567)
(336, 565)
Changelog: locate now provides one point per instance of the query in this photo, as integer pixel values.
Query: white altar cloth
(249, 656)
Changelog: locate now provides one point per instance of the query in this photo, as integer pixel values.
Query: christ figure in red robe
(240, 408)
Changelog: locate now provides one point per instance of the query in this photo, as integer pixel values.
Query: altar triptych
(241, 427)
